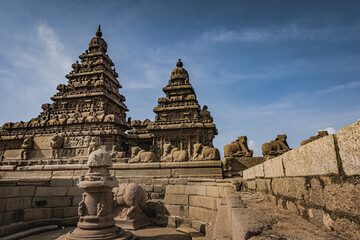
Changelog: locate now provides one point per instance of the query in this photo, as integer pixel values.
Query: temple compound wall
(33, 196)
(319, 180)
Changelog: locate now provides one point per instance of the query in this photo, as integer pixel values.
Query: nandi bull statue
(204, 153)
(140, 155)
(173, 154)
(130, 202)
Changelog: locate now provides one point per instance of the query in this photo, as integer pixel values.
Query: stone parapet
(319, 180)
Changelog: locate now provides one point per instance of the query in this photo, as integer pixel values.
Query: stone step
(30, 232)
(191, 233)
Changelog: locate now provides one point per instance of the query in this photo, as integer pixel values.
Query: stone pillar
(97, 206)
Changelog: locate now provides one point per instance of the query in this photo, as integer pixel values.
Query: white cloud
(339, 87)
(251, 144)
(330, 130)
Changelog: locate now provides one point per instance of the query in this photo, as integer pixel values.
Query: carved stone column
(96, 208)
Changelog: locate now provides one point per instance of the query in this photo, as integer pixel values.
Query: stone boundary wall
(195, 202)
(36, 195)
(320, 180)
(29, 203)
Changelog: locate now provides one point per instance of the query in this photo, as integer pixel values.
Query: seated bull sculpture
(140, 155)
(238, 148)
(129, 203)
(320, 134)
(173, 154)
(275, 147)
(202, 153)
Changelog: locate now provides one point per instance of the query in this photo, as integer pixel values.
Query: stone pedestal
(133, 224)
(234, 166)
(97, 206)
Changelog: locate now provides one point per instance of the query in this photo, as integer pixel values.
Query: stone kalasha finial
(99, 33)
(179, 63)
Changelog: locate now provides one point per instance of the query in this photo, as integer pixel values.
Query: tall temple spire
(89, 102)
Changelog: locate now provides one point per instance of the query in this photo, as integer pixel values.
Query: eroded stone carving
(95, 142)
(320, 134)
(238, 148)
(201, 153)
(130, 200)
(56, 145)
(26, 146)
(275, 147)
(172, 154)
(140, 155)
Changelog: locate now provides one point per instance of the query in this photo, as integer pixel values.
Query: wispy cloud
(290, 31)
(41, 62)
(338, 87)
(149, 76)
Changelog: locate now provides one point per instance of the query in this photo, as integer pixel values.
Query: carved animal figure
(275, 147)
(238, 148)
(99, 158)
(25, 147)
(140, 155)
(205, 153)
(320, 134)
(172, 154)
(94, 144)
(131, 198)
(56, 144)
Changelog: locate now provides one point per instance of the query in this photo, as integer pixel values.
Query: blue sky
(262, 67)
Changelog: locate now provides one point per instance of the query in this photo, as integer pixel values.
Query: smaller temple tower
(179, 119)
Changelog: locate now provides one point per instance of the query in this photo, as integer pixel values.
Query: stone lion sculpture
(140, 155)
(238, 148)
(130, 197)
(275, 147)
(205, 153)
(173, 154)
(56, 144)
(25, 147)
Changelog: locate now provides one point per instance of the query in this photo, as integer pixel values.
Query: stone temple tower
(88, 106)
(179, 118)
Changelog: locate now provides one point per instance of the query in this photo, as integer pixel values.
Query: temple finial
(179, 63)
(99, 33)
